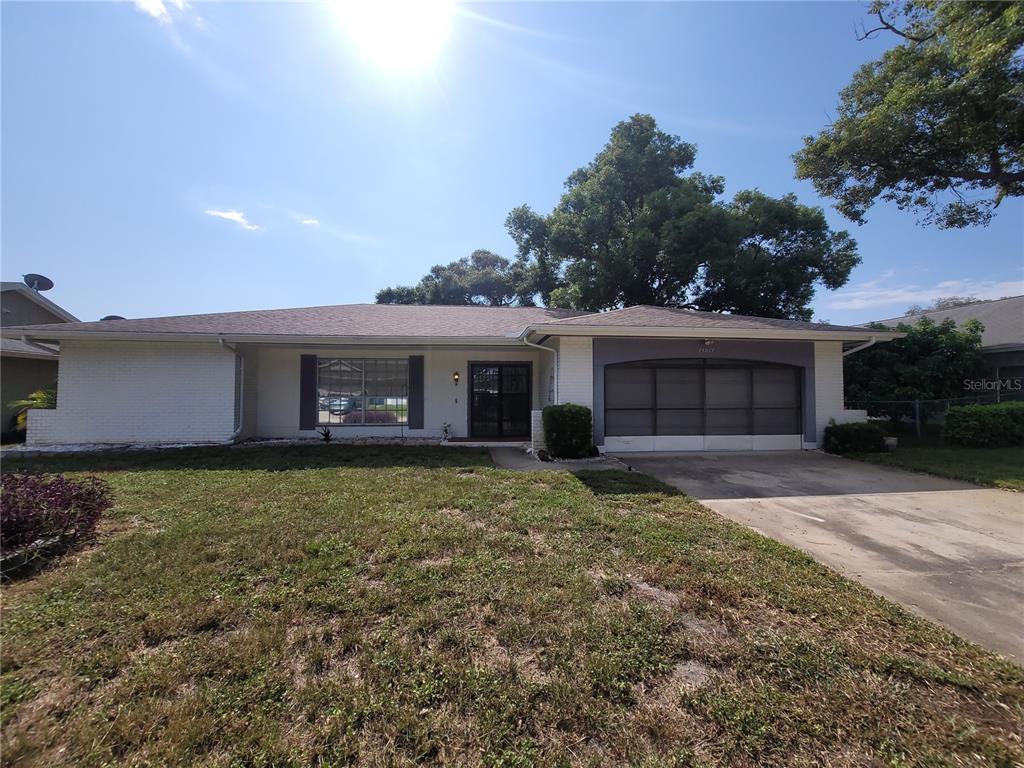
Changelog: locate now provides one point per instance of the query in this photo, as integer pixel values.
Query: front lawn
(997, 467)
(331, 605)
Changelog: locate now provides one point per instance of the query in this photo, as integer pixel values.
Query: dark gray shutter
(416, 392)
(307, 392)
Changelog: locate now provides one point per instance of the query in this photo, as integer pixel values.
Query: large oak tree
(936, 125)
(634, 226)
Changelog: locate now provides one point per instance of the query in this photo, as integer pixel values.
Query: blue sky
(165, 158)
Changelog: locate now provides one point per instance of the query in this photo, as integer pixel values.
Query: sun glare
(396, 35)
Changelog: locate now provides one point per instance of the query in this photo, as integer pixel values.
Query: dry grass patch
(331, 605)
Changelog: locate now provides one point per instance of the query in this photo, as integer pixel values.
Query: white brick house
(656, 378)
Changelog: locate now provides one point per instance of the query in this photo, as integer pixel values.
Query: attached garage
(701, 404)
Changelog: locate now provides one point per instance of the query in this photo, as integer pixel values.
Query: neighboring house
(656, 378)
(1002, 342)
(24, 366)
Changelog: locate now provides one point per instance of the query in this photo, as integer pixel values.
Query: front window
(362, 390)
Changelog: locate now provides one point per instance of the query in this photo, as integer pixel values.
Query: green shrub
(861, 437)
(985, 426)
(41, 398)
(568, 430)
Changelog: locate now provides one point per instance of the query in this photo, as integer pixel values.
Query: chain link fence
(923, 418)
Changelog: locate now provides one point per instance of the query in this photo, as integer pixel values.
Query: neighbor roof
(1003, 320)
(395, 323)
(39, 299)
(18, 348)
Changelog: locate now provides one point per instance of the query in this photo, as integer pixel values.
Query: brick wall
(139, 392)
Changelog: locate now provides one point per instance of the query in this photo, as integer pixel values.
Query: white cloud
(311, 222)
(162, 11)
(236, 216)
(157, 9)
(881, 293)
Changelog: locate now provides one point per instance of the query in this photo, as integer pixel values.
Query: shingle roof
(454, 324)
(1003, 320)
(18, 348)
(368, 320)
(643, 316)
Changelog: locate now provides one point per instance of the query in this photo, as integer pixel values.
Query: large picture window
(362, 391)
(700, 397)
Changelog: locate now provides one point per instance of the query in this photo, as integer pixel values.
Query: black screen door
(499, 403)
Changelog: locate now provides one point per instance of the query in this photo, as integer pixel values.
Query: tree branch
(866, 34)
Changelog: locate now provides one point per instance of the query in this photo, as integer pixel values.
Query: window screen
(680, 387)
(776, 401)
(728, 387)
(687, 397)
(630, 387)
(362, 391)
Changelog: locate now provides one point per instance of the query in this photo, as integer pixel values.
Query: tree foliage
(633, 227)
(943, 302)
(482, 278)
(935, 125)
(929, 363)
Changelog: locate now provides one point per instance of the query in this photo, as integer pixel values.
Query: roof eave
(715, 333)
(70, 334)
(30, 355)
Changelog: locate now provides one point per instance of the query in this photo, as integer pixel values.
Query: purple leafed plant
(49, 509)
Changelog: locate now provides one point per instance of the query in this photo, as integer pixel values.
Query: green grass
(334, 605)
(996, 467)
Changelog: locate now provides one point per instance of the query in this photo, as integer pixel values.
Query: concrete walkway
(517, 458)
(947, 550)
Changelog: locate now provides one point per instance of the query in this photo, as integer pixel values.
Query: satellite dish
(111, 317)
(37, 282)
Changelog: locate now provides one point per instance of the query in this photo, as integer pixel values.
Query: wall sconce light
(455, 378)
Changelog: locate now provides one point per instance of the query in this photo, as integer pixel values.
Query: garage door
(702, 405)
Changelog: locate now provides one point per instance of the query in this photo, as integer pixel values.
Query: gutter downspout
(546, 349)
(859, 347)
(241, 387)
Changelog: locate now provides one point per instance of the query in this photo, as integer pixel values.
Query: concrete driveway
(950, 551)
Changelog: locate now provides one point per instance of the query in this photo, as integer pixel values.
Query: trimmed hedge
(568, 430)
(985, 426)
(859, 437)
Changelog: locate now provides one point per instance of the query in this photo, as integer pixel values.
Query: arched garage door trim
(701, 403)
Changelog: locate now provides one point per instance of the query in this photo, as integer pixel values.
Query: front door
(499, 404)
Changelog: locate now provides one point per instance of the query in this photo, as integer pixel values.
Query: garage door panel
(618, 422)
(776, 388)
(629, 388)
(728, 421)
(677, 421)
(728, 387)
(776, 421)
(680, 387)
